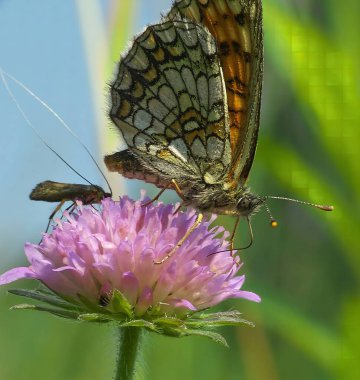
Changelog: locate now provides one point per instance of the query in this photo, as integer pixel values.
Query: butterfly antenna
(62, 122)
(273, 221)
(321, 207)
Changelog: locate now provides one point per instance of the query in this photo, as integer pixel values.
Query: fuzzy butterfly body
(187, 101)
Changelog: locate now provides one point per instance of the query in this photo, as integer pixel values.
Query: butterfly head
(249, 204)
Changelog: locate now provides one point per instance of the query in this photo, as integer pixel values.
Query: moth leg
(181, 241)
(72, 207)
(51, 217)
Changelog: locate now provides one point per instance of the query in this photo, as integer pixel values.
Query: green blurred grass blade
(120, 29)
(294, 173)
(349, 367)
(324, 78)
(303, 333)
(121, 19)
(345, 24)
(102, 51)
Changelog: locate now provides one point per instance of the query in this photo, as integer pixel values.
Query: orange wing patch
(230, 27)
(235, 58)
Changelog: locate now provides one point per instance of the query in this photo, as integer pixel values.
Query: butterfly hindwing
(237, 28)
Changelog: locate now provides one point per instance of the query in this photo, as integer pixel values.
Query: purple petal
(182, 303)
(117, 247)
(144, 302)
(16, 274)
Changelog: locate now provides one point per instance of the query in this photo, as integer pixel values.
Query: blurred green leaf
(323, 76)
(321, 344)
(122, 16)
(291, 171)
(348, 364)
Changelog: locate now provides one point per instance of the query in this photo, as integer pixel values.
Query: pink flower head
(91, 254)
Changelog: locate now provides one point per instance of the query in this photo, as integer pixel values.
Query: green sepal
(216, 337)
(169, 322)
(227, 318)
(58, 312)
(90, 306)
(120, 312)
(95, 317)
(47, 297)
(120, 304)
(141, 323)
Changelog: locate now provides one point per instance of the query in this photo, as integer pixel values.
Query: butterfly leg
(233, 235)
(251, 235)
(181, 241)
(177, 209)
(155, 198)
(177, 189)
(179, 193)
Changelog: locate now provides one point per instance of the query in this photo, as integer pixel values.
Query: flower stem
(129, 339)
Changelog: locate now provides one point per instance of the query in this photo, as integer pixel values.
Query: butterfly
(187, 98)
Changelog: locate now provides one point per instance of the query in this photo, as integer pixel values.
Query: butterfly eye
(249, 204)
(243, 203)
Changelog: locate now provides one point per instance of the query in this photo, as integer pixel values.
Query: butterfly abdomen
(126, 164)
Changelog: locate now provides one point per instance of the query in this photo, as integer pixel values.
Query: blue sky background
(41, 45)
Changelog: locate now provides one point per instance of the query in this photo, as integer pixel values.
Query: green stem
(129, 339)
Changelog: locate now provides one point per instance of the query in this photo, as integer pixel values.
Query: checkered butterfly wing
(237, 28)
(169, 102)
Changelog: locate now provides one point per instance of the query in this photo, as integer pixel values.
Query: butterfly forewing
(169, 102)
(237, 28)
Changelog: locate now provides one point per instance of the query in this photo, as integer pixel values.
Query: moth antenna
(321, 207)
(62, 122)
(28, 122)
